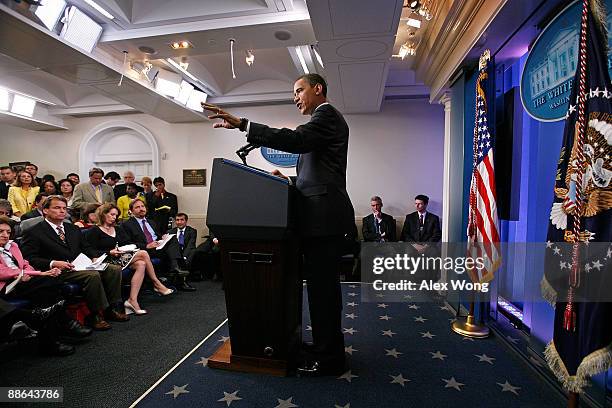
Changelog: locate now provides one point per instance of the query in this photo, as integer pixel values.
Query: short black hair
(113, 175)
(72, 174)
(423, 198)
(133, 185)
(159, 180)
(33, 165)
(7, 167)
(314, 79)
(182, 215)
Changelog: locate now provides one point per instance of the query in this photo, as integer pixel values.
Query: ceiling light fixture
(250, 58)
(4, 99)
(300, 56)
(413, 22)
(50, 12)
(100, 9)
(181, 45)
(232, 41)
(23, 105)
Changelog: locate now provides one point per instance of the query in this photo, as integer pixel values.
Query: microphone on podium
(244, 151)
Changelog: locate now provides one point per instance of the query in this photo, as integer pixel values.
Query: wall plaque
(194, 177)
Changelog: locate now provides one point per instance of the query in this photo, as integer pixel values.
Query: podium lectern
(253, 215)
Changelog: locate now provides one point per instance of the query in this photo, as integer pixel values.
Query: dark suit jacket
(4, 190)
(161, 217)
(120, 190)
(135, 234)
(431, 230)
(191, 235)
(387, 225)
(31, 214)
(41, 245)
(324, 206)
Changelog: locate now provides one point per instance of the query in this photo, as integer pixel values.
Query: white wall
(396, 153)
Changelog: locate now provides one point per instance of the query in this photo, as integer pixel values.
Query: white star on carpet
(446, 307)
(452, 383)
(347, 376)
(352, 294)
(351, 304)
(203, 361)
(229, 398)
(385, 317)
(349, 350)
(485, 358)
(380, 295)
(176, 391)
(393, 353)
(349, 331)
(428, 335)
(420, 319)
(399, 379)
(223, 339)
(407, 297)
(388, 333)
(348, 405)
(557, 250)
(509, 387)
(350, 315)
(383, 305)
(288, 403)
(438, 355)
(597, 265)
(415, 307)
(352, 286)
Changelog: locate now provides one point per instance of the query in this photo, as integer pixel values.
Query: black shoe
(317, 369)
(42, 314)
(56, 348)
(75, 330)
(185, 287)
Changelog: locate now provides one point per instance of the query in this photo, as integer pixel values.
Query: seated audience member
(123, 202)
(23, 194)
(75, 178)
(147, 185)
(7, 178)
(6, 209)
(41, 289)
(55, 244)
(106, 238)
(161, 204)
(37, 211)
(145, 234)
(378, 226)
(88, 217)
(207, 259)
(49, 187)
(44, 321)
(120, 189)
(112, 178)
(66, 190)
(93, 191)
(186, 237)
(33, 170)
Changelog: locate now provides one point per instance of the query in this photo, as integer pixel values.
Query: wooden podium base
(224, 360)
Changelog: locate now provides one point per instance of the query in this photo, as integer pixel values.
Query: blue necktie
(181, 238)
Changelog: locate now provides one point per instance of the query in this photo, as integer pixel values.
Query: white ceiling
(355, 39)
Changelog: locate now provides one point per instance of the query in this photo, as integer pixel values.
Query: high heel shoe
(129, 309)
(166, 292)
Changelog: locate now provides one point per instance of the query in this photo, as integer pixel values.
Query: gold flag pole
(469, 327)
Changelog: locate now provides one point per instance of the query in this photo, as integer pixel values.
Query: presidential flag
(483, 233)
(578, 251)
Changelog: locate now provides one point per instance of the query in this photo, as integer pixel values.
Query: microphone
(244, 151)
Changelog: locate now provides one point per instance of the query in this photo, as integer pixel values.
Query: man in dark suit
(422, 229)
(36, 212)
(326, 212)
(145, 234)
(161, 204)
(7, 178)
(55, 244)
(378, 226)
(186, 237)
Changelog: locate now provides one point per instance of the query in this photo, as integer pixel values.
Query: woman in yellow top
(22, 194)
(123, 202)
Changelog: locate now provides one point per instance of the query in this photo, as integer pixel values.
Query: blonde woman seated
(106, 238)
(23, 193)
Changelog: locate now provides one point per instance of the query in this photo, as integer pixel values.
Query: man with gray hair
(378, 226)
(121, 189)
(93, 191)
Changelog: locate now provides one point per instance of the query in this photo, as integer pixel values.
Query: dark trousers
(170, 255)
(40, 291)
(321, 271)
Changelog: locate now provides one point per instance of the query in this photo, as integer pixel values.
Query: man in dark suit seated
(378, 226)
(186, 237)
(422, 229)
(207, 259)
(36, 212)
(145, 234)
(55, 244)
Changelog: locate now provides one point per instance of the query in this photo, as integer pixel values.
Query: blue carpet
(401, 354)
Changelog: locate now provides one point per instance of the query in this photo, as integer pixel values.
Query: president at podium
(325, 212)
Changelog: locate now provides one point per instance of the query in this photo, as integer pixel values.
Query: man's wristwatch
(243, 124)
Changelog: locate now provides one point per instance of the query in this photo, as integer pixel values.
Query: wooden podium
(252, 214)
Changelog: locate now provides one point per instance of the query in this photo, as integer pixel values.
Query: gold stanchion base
(470, 329)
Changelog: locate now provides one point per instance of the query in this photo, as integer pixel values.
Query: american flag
(483, 235)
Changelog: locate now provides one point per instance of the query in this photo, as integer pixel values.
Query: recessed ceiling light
(181, 45)
(282, 35)
(147, 50)
(413, 22)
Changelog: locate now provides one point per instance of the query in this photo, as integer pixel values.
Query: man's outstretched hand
(229, 121)
(277, 173)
